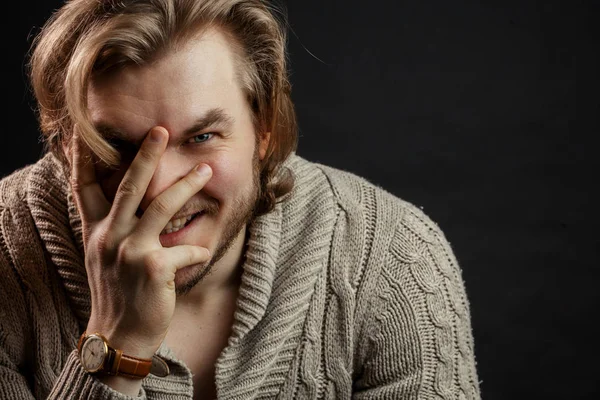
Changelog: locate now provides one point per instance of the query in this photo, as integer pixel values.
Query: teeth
(176, 224)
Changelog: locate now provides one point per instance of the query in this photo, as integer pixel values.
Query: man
(172, 245)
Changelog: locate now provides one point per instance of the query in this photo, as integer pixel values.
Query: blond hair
(89, 37)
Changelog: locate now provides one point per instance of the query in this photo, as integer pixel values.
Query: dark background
(484, 114)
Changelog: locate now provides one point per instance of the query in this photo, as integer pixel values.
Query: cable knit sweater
(347, 292)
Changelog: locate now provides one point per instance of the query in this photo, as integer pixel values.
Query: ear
(263, 145)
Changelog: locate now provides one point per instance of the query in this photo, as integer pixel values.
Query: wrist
(129, 343)
(99, 356)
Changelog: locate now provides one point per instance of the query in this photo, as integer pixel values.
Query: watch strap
(117, 363)
(121, 364)
(159, 367)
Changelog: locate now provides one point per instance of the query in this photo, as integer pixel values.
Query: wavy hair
(85, 38)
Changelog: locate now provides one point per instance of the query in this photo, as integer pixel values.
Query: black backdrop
(485, 116)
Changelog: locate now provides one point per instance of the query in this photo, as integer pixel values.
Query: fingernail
(202, 169)
(156, 135)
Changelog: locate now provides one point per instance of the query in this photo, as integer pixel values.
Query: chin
(188, 277)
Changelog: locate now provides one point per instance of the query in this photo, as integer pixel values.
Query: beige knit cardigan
(347, 292)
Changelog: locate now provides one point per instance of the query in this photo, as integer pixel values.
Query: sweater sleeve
(25, 370)
(418, 344)
(13, 385)
(75, 383)
(72, 383)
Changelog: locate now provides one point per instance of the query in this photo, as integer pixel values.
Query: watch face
(93, 353)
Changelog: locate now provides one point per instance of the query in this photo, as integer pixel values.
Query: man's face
(193, 93)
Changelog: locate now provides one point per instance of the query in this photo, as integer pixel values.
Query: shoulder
(396, 234)
(20, 195)
(387, 247)
(357, 195)
(15, 215)
(386, 230)
(348, 189)
(43, 177)
(13, 187)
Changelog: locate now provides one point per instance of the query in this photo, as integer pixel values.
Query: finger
(88, 195)
(137, 178)
(178, 257)
(164, 206)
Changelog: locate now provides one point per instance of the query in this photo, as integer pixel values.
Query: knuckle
(191, 184)
(126, 252)
(105, 241)
(128, 187)
(146, 153)
(160, 206)
(153, 264)
(192, 255)
(75, 185)
(202, 253)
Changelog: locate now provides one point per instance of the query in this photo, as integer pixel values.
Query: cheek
(231, 176)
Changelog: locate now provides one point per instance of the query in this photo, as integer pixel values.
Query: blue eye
(201, 138)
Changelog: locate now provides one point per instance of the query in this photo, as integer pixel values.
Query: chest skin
(197, 336)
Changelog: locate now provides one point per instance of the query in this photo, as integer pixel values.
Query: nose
(172, 166)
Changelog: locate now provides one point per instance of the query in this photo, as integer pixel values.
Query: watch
(97, 356)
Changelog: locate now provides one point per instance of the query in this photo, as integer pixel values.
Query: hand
(131, 276)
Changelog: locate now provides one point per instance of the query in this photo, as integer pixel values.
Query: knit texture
(347, 292)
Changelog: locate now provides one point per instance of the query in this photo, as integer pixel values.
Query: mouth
(178, 224)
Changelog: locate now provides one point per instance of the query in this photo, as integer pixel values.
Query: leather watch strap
(121, 364)
(124, 365)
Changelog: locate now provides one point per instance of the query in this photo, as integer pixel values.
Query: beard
(241, 216)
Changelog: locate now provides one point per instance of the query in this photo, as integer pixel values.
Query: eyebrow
(214, 116)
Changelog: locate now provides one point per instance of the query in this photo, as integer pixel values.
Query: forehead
(184, 83)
